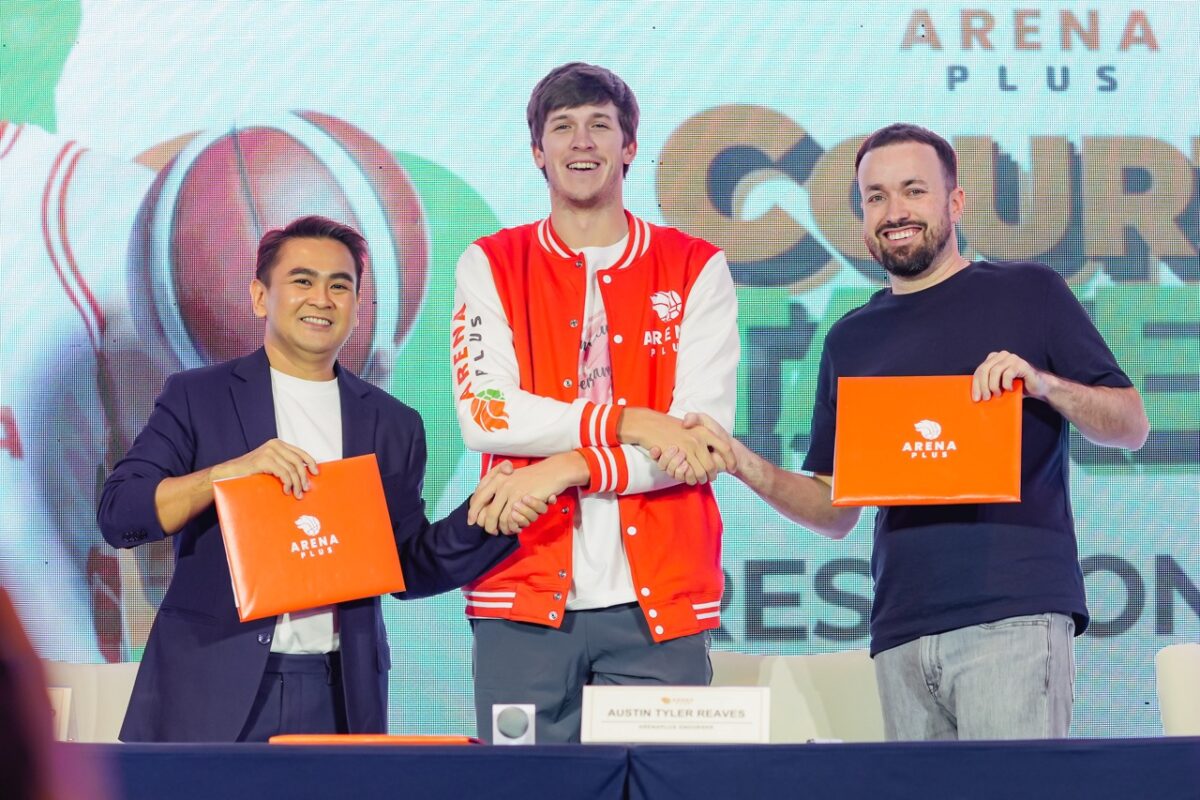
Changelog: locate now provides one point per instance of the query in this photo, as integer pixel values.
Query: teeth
(582, 165)
(895, 236)
(316, 321)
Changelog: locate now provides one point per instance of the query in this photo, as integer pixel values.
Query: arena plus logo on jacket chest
(668, 307)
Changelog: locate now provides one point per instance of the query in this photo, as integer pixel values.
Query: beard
(915, 258)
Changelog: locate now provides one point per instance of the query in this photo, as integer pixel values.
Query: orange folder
(369, 738)
(923, 441)
(334, 544)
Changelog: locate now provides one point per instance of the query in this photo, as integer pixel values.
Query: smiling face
(909, 212)
(310, 305)
(584, 154)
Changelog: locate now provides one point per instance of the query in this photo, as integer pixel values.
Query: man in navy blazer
(204, 675)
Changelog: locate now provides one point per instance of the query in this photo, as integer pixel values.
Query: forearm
(1107, 416)
(801, 498)
(179, 500)
(441, 556)
(637, 426)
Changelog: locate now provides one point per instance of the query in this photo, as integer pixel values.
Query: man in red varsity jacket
(579, 343)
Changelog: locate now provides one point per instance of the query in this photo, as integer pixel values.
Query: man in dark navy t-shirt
(975, 605)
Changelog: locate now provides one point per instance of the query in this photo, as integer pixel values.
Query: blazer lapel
(252, 398)
(358, 417)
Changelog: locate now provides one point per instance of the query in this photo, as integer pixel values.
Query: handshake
(692, 450)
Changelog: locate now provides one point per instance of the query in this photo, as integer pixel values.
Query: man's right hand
(701, 455)
(287, 462)
(178, 500)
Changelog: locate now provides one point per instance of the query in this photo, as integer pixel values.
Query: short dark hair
(578, 84)
(310, 227)
(899, 132)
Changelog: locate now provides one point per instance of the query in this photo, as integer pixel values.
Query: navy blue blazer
(202, 667)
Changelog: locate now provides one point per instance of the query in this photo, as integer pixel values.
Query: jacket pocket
(188, 615)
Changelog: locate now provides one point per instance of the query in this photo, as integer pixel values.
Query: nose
(582, 139)
(319, 296)
(896, 211)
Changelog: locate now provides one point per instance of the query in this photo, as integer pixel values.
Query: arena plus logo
(931, 445)
(487, 406)
(668, 307)
(1024, 34)
(313, 544)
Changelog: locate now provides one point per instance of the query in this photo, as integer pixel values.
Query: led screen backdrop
(128, 228)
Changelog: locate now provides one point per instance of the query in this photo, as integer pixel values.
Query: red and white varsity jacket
(673, 344)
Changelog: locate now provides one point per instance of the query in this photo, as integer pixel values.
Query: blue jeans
(1009, 679)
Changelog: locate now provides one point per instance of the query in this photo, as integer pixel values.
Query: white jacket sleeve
(705, 381)
(495, 415)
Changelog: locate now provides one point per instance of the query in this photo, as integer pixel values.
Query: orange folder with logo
(332, 545)
(923, 441)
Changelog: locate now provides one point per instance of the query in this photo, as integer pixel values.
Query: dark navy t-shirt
(942, 567)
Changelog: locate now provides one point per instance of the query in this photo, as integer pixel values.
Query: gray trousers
(516, 662)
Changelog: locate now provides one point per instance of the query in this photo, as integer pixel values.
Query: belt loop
(329, 669)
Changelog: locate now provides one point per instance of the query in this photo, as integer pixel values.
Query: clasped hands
(693, 450)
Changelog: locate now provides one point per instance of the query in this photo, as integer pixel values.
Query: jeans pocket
(1015, 622)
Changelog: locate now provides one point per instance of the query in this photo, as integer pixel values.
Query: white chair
(99, 696)
(1177, 674)
(824, 696)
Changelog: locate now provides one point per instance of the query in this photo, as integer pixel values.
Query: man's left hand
(508, 499)
(998, 371)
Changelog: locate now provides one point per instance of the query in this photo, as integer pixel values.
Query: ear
(628, 152)
(958, 203)
(258, 298)
(539, 158)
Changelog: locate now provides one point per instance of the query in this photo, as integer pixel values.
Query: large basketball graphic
(194, 243)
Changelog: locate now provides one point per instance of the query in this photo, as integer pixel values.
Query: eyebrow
(873, 186)
(594, 115)
(309, 272)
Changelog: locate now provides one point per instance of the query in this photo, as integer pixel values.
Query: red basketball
(192, 257)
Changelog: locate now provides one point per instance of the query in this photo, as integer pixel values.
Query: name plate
(677, 714)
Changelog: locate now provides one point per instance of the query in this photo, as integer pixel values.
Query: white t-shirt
(600, 570)
(308, 415)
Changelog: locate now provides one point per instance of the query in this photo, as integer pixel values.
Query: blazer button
(562, 573)
(568, 383)
(264, 638)
(553, 616)
(618, 339)
(558, 595)
(574, 323)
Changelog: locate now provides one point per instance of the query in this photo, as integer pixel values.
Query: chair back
(1177, 677)
(99, 695)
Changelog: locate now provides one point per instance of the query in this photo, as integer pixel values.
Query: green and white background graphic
(1078, 127)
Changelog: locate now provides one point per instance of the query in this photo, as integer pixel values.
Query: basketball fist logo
(309, 524)
(487, 409)
(929, 429)
(667, 305)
